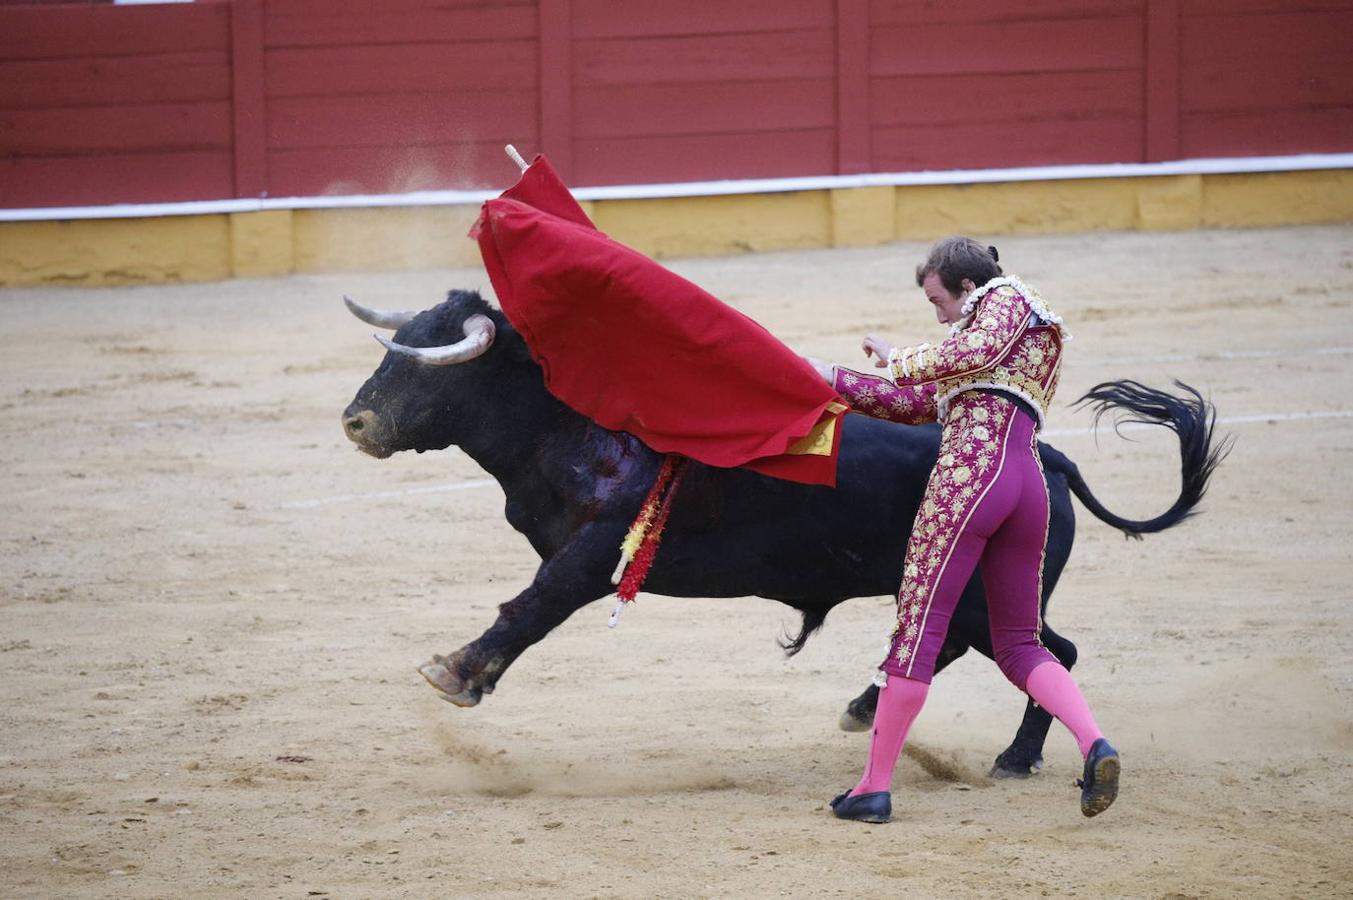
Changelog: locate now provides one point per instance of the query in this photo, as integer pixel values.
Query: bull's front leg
(859, 714)
(574, 577)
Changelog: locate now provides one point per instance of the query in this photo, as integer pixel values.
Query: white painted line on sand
(1220, 355)
(387, 495)
(1221, 420)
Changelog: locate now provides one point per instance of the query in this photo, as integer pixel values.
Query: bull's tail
(1188, 415)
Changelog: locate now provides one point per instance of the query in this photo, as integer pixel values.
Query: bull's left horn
(377, 317)
(479, 332)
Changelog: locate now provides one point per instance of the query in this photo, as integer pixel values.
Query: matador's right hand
(878, 347)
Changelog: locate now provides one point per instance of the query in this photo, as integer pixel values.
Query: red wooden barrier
(965, 84)
(1266, 76)
(251, 137)
(397, 96)
(556, 84)
(703, 89)
(1162, 80)
(853, 154)
(223, 98)
(113, 104)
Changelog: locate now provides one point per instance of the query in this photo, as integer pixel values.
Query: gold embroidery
(1009, 343)
(995, 348)
(950, 496)
(882, 399)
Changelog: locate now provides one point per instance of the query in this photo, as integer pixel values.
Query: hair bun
(995, 257)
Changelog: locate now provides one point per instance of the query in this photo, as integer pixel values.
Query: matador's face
(948, 306)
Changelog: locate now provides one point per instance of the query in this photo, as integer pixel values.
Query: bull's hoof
(449, 687)
(1010, 765)
(465, 699)
(859, 714)
(851, 722)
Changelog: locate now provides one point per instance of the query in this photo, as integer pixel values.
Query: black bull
(573, 488)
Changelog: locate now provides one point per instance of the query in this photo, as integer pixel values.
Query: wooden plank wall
(399, 95)
(973, 84)
(112, 104)
(246, 98)
(703, 89)
(1266, 77)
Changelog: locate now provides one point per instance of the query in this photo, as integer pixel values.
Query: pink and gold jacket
(1008, 340)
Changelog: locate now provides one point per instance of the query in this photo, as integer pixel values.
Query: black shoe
(876, 808)
(1099, 783)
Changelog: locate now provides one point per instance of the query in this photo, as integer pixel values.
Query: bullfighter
(986, 503)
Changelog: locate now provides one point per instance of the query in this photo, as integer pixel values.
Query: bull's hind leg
(568, 581)
(1024, 756)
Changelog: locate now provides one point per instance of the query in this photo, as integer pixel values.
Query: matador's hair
(956, 258)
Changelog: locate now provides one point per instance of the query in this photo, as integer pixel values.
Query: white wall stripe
(1218, 166)
(1051, 432)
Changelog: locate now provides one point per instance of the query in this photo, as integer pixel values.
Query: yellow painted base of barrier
(279, 242)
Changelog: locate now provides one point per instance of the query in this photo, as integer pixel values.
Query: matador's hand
(877, 347)
(824, 369)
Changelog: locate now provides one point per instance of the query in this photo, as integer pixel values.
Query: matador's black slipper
(875, 808)
(1099, 783)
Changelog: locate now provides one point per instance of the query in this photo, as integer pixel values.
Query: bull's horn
(379, 318)
(479, 332)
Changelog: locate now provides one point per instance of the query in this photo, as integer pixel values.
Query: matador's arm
(880, 398)
(998, 322)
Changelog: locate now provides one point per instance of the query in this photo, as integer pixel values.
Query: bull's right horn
(377, 317)
(479, 333)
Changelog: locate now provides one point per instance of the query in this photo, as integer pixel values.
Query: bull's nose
(359, 426)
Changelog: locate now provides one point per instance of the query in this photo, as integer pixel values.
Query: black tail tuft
(812, 621)
(1188, 415)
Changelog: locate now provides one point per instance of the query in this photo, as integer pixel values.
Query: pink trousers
(986, 504)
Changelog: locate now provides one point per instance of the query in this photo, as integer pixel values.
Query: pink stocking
(1052, 688)
(898, 706)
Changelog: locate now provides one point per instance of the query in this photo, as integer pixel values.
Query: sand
(213, 608)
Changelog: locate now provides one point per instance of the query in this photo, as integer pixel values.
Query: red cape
(640, 349)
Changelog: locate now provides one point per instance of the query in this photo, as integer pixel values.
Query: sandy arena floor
(212, 609)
